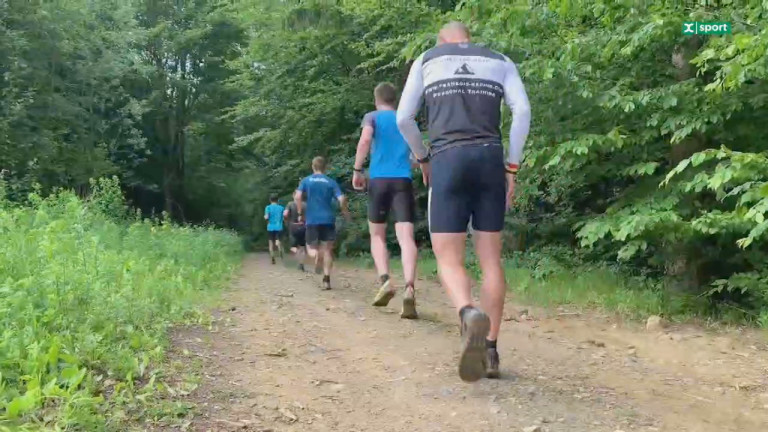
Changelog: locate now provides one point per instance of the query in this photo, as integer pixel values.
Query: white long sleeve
(517, 100)
(410, 102)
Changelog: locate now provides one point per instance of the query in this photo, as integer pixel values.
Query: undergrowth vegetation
(87, 294)
(556, 276)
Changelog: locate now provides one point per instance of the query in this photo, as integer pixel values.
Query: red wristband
(511, 168)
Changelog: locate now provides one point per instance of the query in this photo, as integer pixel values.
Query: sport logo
(706, 28)
(464, 70)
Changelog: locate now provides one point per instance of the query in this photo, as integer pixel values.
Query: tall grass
(86, 300)
(542, 278)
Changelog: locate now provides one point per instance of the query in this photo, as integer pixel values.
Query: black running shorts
(468, 181)
(320, 233)
(395, 194)
(274, 235)
(298, 234)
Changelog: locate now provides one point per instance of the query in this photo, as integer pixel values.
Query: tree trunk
(681, 263)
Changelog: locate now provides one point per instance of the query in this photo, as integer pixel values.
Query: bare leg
(494, 288)
(379, 247)
(408, 251)
(279, 247)
(327, 249)
(449, 251)
(271, 248)
(405, 238)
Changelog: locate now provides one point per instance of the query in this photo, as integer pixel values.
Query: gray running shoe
(385, 294)
(475, 326)
(409, 304)
(492, 363)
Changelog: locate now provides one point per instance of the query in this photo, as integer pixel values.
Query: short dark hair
(385, 92)
(273, 198)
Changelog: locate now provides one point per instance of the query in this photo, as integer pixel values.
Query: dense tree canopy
(646, 145)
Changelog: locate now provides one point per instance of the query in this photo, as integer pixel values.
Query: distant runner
(390, 188)
(320, 191)
(463, 85)
(273, 214)
(298, 232)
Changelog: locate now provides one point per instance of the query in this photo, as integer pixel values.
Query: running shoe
(475, 326)
(386, 292)
(273, 260)
(326, 282)
(491, 363)
(409, 304)
(301, 268)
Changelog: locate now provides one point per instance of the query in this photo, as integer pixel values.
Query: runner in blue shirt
(273, 214)
(390, 188)
(319, 216)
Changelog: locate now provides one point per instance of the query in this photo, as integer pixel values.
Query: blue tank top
(390, 155)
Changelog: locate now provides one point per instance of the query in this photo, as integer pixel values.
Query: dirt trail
(286, 356)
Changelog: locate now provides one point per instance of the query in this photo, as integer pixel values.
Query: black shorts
(299, 236)
(396, 194)
(274, 235)
(320, 233)
(467, 182)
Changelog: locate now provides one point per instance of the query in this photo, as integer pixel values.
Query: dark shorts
(274, 235)
(468, 182)
(299, 236)
(395, 194)
(320, 233)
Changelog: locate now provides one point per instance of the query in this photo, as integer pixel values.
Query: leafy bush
(85, 303)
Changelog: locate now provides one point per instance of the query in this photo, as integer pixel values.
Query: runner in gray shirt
(463, 85)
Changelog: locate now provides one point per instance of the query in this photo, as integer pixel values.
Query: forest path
(284, 355)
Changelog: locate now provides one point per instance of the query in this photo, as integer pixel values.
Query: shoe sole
(493, 374)
(472, 361)
(409, 309)
(385, 295)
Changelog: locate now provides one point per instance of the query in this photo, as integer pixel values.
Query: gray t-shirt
(293, 216)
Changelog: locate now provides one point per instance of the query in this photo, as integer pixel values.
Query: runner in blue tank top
(390, 188)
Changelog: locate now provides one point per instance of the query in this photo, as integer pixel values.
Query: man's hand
(510, 190)
(426, 173)
(358, 181)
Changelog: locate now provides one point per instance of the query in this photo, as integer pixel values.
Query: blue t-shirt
(320, 191)
(390, 155)
(275, 214)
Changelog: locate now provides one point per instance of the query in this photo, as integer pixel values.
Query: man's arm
(364, 143)
(410, 102)
(266, 213)
(517, 100)
(341, 198)
(298, 196)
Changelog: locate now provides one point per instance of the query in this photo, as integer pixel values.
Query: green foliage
(646, 146)
(85, 302)
(645, 142)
